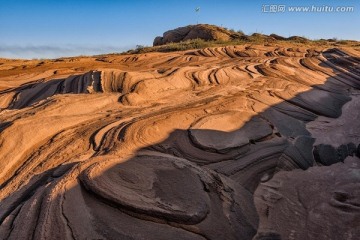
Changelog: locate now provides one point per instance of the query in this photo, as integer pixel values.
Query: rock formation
(200, 31)
(320, 203)
(236, 142)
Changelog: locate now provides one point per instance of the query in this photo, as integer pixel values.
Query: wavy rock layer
(176, 145)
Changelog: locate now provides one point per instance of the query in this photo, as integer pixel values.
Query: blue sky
(49, 28)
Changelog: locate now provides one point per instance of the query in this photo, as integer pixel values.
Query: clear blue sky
(49, 28)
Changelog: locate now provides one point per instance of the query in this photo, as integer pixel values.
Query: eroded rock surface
(319, 203)
(176, 145)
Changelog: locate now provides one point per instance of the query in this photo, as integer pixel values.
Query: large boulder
(202, 31)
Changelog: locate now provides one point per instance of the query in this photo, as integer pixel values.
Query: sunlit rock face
(200, 31)
(236, 142)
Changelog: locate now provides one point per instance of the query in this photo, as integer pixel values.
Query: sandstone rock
(325, 154)
(174, 145)
(351, 149)
(319, 203)
(200, 31)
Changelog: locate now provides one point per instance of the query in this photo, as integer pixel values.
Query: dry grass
(252, 39)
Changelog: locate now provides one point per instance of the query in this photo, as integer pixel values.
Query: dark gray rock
(325, 154)
(299, 154)
(351, 149)
(267, 236)
(342, 152)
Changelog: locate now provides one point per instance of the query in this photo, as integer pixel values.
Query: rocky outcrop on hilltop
(208, 32)
(200, 31)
